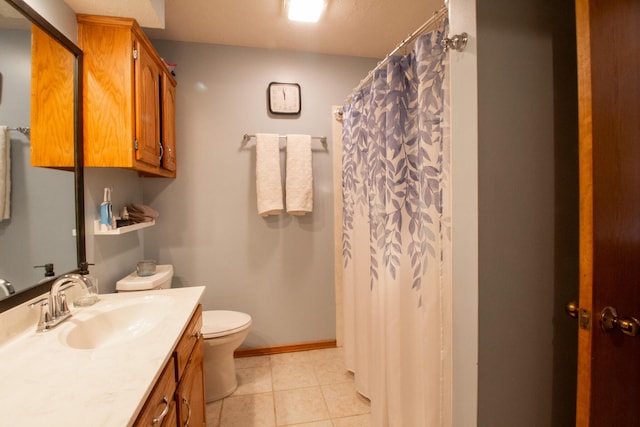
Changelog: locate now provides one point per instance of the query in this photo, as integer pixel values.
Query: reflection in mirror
(40, 230)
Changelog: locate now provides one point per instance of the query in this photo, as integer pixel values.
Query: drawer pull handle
(197, 335)
(186, 402)
(164, 413)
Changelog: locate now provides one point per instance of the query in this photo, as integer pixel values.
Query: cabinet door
(147, 100)
(189, 339)
(52, 102)
(171, 420)
(159, 409)
(168, 123)
(190, 394)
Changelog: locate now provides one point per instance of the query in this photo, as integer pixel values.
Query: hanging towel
(268, 181)
(5, 173)
(299, 186)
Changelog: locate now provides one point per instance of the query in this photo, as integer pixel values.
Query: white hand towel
(5, 173)
(268, 181)
(299, 186)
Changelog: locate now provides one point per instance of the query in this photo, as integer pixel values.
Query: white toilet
(223, 332)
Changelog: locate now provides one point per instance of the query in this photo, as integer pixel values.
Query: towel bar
(247, 137)
(24, 130)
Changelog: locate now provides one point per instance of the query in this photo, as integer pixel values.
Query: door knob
(572, 309)
(583, 315)
(609, 320)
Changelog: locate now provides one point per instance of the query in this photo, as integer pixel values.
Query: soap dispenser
(106, 211)
(48, 269)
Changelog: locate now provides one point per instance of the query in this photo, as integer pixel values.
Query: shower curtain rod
(436, 19)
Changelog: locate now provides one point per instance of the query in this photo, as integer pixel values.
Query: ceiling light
(305, 10)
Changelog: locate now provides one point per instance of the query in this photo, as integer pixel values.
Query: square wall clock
(284, 98)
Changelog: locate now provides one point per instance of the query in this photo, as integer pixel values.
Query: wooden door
(147, 99)
(609, 103)
(190, 393)
(168, 123)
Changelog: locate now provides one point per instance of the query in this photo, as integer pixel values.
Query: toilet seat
(219, 323)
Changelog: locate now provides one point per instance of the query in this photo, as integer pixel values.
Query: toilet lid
(133, 282)
(216, 323)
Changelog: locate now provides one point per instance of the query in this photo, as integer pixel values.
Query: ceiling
(11, 18)
(368, 28)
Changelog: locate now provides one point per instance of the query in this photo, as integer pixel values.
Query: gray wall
(528, 213)
(114, 256)
(279, 269)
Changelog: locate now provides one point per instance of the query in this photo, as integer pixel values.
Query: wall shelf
(120, 230)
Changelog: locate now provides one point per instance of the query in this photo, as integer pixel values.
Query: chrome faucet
(6, 288)
(54, 308)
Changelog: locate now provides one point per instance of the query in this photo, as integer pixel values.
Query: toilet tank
(160, 280)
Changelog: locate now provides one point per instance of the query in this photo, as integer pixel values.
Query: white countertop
(44, 382)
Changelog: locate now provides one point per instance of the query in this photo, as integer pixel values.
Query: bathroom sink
(115, 321)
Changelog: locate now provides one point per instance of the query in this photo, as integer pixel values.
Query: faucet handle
(63, 307)
(58, 300)
(45, 313)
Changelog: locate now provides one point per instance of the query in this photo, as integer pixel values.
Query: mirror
(46, 224)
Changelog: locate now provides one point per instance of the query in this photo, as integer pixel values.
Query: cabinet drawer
(160, 399)
(188, 341)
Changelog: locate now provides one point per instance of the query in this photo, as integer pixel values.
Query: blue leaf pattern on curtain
(393, 161)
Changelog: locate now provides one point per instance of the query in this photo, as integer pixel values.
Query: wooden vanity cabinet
(182, 379)
(190, 394)
(126, 86)
(160, 407)
(189, 357)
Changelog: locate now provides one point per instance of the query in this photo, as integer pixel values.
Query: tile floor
(302, 389)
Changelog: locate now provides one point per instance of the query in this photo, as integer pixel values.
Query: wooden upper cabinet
(52, 102)
(169, 123)
(147, 92)
(125, 121)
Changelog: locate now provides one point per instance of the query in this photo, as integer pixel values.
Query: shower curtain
(396, 239)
